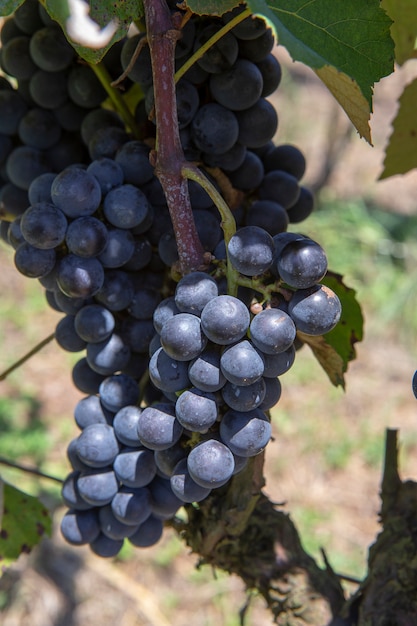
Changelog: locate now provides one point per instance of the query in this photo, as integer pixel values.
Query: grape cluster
(178, 377)
(40, 120)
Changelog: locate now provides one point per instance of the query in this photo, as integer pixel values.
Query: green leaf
(404, 27)
(336, 349)
(211, 7)
(401, 152)
(9, 6)
(23, 522)
(347, 43)
(103, 12)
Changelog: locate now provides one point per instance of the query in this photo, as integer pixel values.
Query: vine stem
(29, 470)
(168, 156)
(27, 356)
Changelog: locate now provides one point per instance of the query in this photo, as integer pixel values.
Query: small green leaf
(404, 27)
(211, 7)
(23, 522)
(335, 349)
(103, 12)
(9, 6)
(401, 152)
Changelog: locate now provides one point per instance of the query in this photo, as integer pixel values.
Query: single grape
(66, 335)
(281, 187)
(158, 427)
(167, 459)
(182, 337)
(126, 206)
(98, 486)
(239, 87)
(111, 527)
(108, 356)
(244, 398)
(316, 310)
(86, 236)
(34, 262)
(184, 487)
(251, 250)
(85, 379)
(125, 424)
(204, 371)
(79, 277)
(196, 410)
(70, 494)
(135, 468)
(246, 434)
(302, 263)
(43, 225)
(214, 128)
(257, 124)
(132, 505)
(108, 173)
(76, 192)
(148, 533)
(210, 464)
(84, 88)
(97, 445)
(194, 291)
(94, 323)
(278, 364)
(166, 373)
(106, 547)
(272, 393)
(272, 331)
(163, 500)
(163, 312)
(241, 364)
(225, 319)
(80, 527)
(89, 410)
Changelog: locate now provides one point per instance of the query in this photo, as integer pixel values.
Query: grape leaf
(349, 96)
(9, 6)
(103, 12)
(401, 152)
(335, 349)
(211, 7)
(23, 522)
(351, 37)
(404, 27)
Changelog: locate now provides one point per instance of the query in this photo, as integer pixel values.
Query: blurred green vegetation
(376, 251)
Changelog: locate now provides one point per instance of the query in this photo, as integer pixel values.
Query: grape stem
(29, 470)
(168, 156)
(228, 222)
(116, 97)
(210, 42)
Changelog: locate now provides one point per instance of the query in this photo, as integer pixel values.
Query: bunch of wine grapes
(178, 374)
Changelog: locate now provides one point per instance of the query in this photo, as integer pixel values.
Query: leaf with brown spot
(23, 522)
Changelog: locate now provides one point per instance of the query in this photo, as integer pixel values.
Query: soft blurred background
(325, 462)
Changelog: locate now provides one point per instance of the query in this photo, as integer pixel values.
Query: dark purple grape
(246, 434)
(210, 464)
(316, 310)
